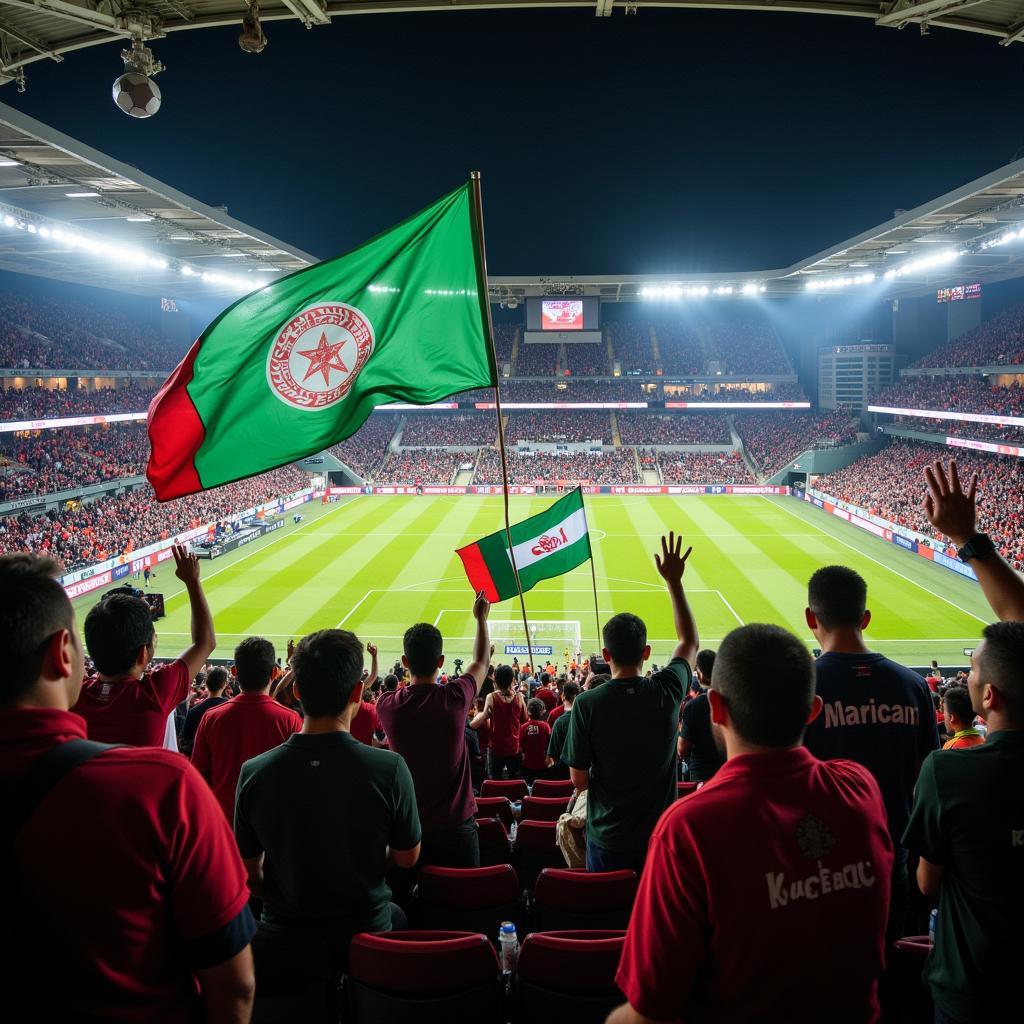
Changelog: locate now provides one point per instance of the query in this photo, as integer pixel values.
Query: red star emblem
(324, 358)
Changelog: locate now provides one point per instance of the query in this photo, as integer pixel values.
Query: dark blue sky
(672, 141)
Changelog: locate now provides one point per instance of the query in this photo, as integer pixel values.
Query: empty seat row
(517, 789)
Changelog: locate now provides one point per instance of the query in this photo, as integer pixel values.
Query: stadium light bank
(701, 291)
(915, 266)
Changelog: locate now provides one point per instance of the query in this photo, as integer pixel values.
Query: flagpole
(593, 580)
(478, 217)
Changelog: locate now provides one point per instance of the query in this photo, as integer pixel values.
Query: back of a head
(254, 664)
(217, 679)
(957, 700)
(328, 665)
(504, 677)
(545, 679)
(424, 647)
(33, 606)
(390, 683)
(570, 692)
(536, 708)
(765, 676)
(1001, 661)
(625, 637)
(596, 680)
(705, 661)
(115, 629)
(838, 596)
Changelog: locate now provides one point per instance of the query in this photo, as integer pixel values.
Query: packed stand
(97, 530)
(703, 468)
(888, 486)
(504, 338)
(67, 335)
(586, 360)
(413, 466)
(773, 439)
(440, 429)
(568, 425)
(612, 466)
(749, 345)
(631, 344)
(682, 353)
(537, 360)
(682, 428)
(364, 451)
(570, 391)
(999, 341)
(36, 403)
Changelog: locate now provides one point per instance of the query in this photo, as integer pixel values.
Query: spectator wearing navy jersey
(216, 683)
(426, 723)
(779, 851)
(697, 743)
(621, 746)
(127, 899)
(126, 702)
(876, 712)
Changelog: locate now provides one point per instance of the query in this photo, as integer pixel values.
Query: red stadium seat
(413, 977)
(495, 847)
(514, 789)
(495, 807)
(565, 899)
(543, 808)
(685, 788)
(535, 849)
(568, 976)
(468, 899)
(553, 787)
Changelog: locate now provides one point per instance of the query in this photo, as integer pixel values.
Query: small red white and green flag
(299, 365)
(546, 545)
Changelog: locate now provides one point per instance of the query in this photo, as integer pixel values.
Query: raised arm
(204, 640)
(952, 511)
(482, 644)
(671, 565)
(481, 716)
(372, 677)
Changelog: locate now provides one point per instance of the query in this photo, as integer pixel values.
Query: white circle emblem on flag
(318, 354)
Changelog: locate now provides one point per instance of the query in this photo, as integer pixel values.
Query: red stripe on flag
(477, 571)
(175, 434)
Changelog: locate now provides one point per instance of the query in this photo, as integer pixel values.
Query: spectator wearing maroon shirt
(245, 726)
(125, 702)
(533, 741)
(216, 683)
(547, 693)
(426, 724)
(727, 879)
(505, 712)
(127, 897)
(365, 723)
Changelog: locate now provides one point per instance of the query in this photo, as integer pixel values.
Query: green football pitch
(376, 565)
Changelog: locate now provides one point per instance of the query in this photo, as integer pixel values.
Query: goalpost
(548, 637)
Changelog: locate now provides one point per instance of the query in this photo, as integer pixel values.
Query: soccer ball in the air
(136, 94)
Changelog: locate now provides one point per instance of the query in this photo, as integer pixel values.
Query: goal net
(549, 638)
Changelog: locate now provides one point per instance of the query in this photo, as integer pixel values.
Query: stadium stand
(438, 430)
(538, 360)
(773, 439)
(687, 428)
(748, 345)
(999, 341)
(33, 403)
(682, 353)
(585, 360)
(632, 347)
(572, 425)
(610, 466)
(421, 466)
(365, 450)
(703, 468)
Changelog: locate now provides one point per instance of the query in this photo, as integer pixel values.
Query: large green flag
(300, 364)
(545, 545)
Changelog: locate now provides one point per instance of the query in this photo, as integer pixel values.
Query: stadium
(289, 500)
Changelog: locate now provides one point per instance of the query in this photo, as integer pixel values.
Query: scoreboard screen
(561, 314)
(959, 292)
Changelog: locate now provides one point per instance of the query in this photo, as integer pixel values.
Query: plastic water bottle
(509, 943)
(933, 919)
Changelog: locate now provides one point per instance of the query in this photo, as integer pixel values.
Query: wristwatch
(978, 546)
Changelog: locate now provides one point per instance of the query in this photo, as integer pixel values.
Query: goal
(549, 638)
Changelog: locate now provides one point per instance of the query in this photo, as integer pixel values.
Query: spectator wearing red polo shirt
(533, 741)
(125, 702)
(127, 897)
(547, 693)
(426, 724)
(245, 726)
(505, 712)
(365, 723)
(779, 851)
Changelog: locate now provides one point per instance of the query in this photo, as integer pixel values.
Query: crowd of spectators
(962, 393)
(90, 532)
(364, 451)
(611, 466)
(537, 360)
(703, 468)
(682, 352)
(749, 345)
(586, 359)
(504, 339)
(773, 439)
(631, 343)
(441, 429)
(781, 392)
(35, 403)
(568, 425)
(68, 335)
(681, 428)
(999, 341)
(421, 466)
(889, 486)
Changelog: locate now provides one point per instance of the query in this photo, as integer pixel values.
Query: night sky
(672, 141)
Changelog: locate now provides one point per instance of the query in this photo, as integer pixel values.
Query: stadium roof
(69, 212)
(32, 30)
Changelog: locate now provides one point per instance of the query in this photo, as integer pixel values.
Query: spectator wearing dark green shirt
(319, 820)
(621, 745)
(559, 731)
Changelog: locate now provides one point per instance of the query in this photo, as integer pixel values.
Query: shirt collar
(252, 698)
(775, 762)
(32, 724)
(969, 731)
(1007, 736)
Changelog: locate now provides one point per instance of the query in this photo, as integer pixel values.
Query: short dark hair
(594, 681)
(958, 700)
(570, 691)
(838, 596)
(390, 683)
(625, 637)
(33, 606)
(1002, 664)
(115, 628)
(767, 708)
(254, 663)
(218, 678)
(328, 665)
(706, 664)
(423, 647)
(544, 679)
(536, 708)
(504, 676)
